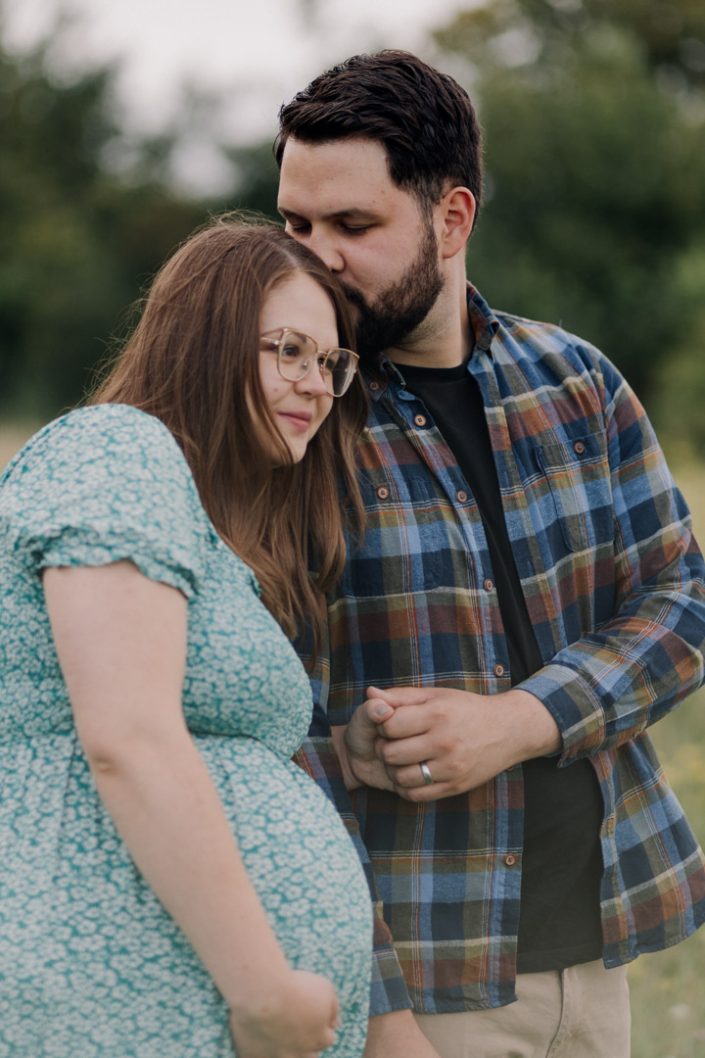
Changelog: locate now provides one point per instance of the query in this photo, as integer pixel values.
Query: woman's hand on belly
(296, 1019)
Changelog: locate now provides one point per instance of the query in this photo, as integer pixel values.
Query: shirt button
(579, 447)
(383, 492)
(420, 420)
(510, 860)
(499, 670)
(610, 825)
(374, 386)
(488, 584)
(461, 495)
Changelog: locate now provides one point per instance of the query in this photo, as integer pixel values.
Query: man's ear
(457, 213)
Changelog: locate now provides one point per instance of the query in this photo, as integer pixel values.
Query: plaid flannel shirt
(614, 585)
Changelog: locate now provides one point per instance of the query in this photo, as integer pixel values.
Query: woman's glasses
(297, 353)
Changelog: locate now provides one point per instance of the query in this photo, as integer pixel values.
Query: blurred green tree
(256, 178)
(77, 238)
(503, 33)
(594, 114)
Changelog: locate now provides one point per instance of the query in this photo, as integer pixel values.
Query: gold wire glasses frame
(297, 352)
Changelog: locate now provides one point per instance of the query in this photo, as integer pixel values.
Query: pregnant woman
(171, 884)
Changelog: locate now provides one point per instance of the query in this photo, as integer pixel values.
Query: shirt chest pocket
(412, 541)
(574, 477)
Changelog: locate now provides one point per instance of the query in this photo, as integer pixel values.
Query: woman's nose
(313, 381)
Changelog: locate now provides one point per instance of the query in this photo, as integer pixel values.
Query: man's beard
(399, 309)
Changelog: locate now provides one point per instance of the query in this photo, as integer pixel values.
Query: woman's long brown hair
(193, 361)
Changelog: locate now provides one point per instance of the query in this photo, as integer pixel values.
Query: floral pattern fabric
(91, 965)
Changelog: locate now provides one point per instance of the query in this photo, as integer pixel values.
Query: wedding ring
(426, 772)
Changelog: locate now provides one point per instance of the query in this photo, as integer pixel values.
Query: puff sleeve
(104, 484)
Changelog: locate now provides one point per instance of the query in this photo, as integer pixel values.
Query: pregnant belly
(298, 855)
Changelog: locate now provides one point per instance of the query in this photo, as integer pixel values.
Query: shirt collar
(483, 321)
(484, 326)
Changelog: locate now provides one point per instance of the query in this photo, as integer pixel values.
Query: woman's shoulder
(106, 425)
(106, 482)
(99, 440)
(106, 458)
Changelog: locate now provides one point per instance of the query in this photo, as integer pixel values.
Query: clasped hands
(464, 739)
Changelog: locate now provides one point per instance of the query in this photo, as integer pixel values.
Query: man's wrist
(531, 722)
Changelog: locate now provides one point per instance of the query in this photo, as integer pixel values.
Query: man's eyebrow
(353, 213)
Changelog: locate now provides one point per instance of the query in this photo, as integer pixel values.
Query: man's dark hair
(423, 119)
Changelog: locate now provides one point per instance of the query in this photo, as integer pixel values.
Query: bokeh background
(124, 125)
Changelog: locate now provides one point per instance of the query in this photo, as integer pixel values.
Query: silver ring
(428, 779)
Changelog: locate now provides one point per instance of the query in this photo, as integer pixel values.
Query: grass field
(668, 988)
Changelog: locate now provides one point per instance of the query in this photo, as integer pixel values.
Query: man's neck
(443, 339)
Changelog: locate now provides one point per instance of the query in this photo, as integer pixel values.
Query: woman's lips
(299, 420)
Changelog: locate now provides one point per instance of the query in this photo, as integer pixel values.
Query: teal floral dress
(91, 965)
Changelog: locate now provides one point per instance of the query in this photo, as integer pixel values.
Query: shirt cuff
(388, 991)
(574, 706)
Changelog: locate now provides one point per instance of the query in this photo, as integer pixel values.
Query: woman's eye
(290, 352)
(331, 360)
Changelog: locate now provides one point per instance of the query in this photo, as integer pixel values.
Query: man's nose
(324, 246)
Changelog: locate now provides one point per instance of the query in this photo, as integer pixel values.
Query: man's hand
(464, 739)
(397, 1035)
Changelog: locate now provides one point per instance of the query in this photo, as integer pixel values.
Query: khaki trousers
(581, 1012)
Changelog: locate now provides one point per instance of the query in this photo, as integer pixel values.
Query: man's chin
(371, 347)
(356, 302)
(369, 339)
(376, 336)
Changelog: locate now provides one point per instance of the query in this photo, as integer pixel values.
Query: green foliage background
(594, 112)
(77, 239)
(594, 118)
(594, 216)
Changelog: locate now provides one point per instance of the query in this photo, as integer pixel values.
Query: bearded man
(527, 599)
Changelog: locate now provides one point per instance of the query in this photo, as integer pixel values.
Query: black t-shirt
(562, 862)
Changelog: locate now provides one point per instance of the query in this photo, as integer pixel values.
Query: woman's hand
(360, 744)
(297, 1019)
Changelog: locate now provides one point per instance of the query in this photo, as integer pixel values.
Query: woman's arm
(121, 642)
